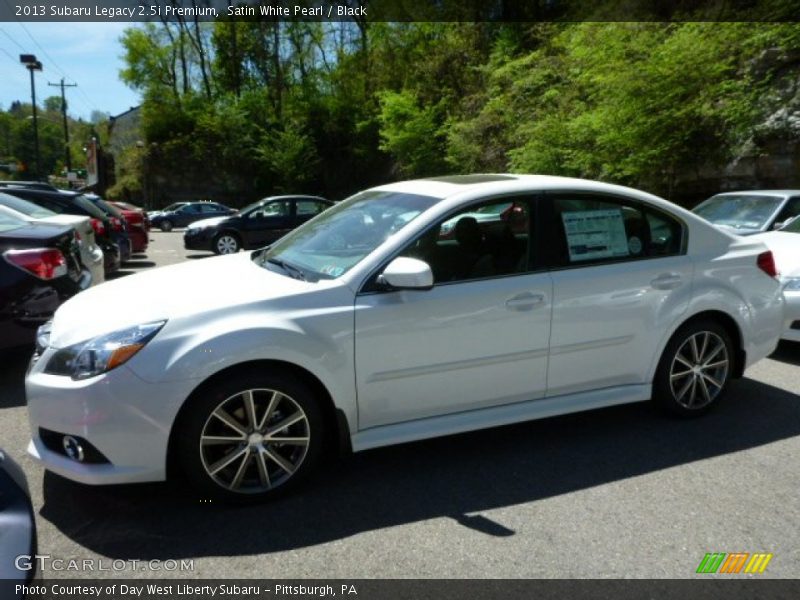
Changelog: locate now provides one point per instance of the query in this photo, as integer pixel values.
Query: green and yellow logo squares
(735, 562)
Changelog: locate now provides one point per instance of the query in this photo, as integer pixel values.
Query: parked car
(18, 527)
(366, 328)
(35, 185)
(119, 226)
(256, 225)
(91, 253)
(138, 225)
(785, 246)
(40, 267)
(73, 203)
(182, 214)
(746, 213)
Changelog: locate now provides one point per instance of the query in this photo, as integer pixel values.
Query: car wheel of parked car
(250, 438)
(694, 369)
(226, 243)
(165, 225)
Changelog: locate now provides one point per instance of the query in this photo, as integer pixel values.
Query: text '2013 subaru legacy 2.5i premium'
(371, 325)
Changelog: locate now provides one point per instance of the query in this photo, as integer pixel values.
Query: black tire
(691, 378)
(232, 246)
(198, 460)
(165, 225)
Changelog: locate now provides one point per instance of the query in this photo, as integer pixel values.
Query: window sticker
(595, 234)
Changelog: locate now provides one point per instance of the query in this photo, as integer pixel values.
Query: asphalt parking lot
(620, 492)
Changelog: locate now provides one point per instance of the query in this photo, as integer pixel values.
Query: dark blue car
(182, 214)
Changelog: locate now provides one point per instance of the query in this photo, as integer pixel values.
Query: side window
(591, 229)
(209, 208)
(789, 211)
(488, 240)
(273, 209)
(308, 208)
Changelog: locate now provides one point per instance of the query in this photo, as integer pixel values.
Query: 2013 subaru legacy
(394, 316)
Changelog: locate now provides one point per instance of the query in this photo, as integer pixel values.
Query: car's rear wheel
(227, 243)
(165, 225)
(250, 438)
(695, 369)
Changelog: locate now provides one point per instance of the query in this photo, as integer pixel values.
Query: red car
(138, 225)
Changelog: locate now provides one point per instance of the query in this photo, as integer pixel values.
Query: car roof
(760, 193)
(444, 187)
(294, 197)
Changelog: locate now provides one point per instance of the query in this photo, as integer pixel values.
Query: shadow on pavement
(787, 352)
(194, 256)
(12, 376)
(446, 477)
(139, 264)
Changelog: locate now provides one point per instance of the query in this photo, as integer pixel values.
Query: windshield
(339, 238)
(173, 207)
(25, 207)
(104, 206)
(745, 211)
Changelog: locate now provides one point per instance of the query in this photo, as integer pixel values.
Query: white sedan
(370, 326)
(785, 246)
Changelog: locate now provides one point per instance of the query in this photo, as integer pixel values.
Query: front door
(478, 338)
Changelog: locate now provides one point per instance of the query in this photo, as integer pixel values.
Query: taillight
(766, 262)
(99, 228)
(116, 224)
(45, 263)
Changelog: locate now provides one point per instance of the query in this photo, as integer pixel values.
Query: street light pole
(30, 62)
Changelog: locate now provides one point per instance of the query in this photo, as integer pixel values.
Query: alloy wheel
(254, 441)
(699, 370)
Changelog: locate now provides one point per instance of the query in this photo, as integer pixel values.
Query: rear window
(89, 207)
(25, 207)
(9, 223)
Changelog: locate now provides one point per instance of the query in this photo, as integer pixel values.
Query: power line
(8, 35)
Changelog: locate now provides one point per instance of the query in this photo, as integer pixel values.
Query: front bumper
(198, 239)
(792, 331)
(126, 419)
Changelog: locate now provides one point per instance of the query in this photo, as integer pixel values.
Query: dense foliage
(238, 109)
(17, 147)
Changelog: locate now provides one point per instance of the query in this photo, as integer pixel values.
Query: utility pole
(63, 85)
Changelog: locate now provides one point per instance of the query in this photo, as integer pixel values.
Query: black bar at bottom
(705, 586)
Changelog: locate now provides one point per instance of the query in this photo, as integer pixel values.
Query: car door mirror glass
(407, 274)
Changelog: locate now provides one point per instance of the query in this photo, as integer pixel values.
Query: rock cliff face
(770, 157)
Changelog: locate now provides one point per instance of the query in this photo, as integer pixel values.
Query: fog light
(73, 449)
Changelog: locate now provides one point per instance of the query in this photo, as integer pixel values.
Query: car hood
(181, 290)
(212, 222)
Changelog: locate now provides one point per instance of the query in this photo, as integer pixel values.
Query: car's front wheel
(165, 225)
(695, 369)
(226, 243)
(250, 438)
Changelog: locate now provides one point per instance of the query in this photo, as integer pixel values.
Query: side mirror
(405, 273)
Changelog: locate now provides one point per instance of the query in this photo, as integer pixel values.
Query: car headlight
(102, 353)
(792, 284)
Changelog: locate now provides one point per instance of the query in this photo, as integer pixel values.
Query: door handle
(667, 281)
(525, 301)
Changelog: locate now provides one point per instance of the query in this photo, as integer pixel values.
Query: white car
(368, 327)
(91, 253)
(785, 246)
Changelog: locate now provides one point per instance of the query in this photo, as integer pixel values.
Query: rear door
(621, 278)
